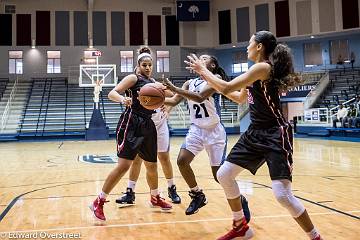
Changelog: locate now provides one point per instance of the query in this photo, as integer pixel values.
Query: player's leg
(192, 146)
(281, 186)
(279, 161)
(226, 176)
(163, 142)
(283, 194)
(244, 155)
(129, 195)
(152, 180)
(148, 152)
(112, 179)
(215, 147)
(126, 153)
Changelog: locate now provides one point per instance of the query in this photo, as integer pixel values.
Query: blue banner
(192, 10)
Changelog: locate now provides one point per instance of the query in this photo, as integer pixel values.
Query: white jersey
(158, 117)
(203, 114)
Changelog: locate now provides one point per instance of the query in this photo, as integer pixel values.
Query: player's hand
(169, 85)
(195, 64)
(160, 85)
(127, 101)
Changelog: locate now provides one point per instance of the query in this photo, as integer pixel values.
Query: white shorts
(163, 137)
(212, 139)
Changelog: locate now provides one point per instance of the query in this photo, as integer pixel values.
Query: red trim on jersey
(121, 146)
(281, 126)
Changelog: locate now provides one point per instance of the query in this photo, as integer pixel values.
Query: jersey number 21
(197, 109)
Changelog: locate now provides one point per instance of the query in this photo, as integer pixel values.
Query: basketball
(152, 96)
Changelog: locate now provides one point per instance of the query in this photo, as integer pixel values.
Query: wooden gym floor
(44, 189)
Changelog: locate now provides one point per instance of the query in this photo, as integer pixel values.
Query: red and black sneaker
(159, 202)
(97, 207)
(240, 231)
(317, 238)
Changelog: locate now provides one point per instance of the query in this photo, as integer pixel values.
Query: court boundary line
(317, 204)
(164, 223)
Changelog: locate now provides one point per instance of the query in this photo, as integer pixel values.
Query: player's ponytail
(282, 73)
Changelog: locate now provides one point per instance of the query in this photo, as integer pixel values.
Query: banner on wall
(192, 10)
(299, 91)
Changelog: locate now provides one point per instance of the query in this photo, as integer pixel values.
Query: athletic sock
(132, 184)
(103, 195)
(313, 233)
(170, 182)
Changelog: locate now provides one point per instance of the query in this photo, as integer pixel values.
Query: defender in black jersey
(135, 135)
(269, 137)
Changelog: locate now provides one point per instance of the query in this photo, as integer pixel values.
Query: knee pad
(284, 195)
(226, 177)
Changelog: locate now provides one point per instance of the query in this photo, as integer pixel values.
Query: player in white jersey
(159, 118)
(206, 131)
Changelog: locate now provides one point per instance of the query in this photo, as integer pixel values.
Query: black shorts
(273, 145)
(136, 134)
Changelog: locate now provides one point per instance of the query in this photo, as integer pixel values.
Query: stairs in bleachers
(3, 84)
(56, 108)
(16, 107)
(344, 85)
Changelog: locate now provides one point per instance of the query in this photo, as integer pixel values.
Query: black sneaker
(127, 198)
(173, 195)
(198, 200)
(246, 209)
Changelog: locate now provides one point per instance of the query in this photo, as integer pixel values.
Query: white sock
(103, 195)
(170, 182)
(195, 189)
(132, 184)
(237, 216)
(154, 192)
(313, 233)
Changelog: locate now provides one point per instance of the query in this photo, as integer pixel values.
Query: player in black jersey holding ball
(136, 136)
(269, 137)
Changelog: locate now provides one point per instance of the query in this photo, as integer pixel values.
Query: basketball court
(45, 189)
(59, 60)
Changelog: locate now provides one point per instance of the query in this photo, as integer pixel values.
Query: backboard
(90, 73)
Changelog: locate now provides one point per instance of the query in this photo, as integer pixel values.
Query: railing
(7, 109)
(336, 107)
(181, 114)
(243, 109)
(225, 115)
(314, 94)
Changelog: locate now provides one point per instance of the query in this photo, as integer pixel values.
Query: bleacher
(344, 85)
(3, 84)
(56, 108)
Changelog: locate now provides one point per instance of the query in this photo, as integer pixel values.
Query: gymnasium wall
(108, 23)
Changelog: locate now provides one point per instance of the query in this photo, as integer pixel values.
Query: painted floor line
(162, 223)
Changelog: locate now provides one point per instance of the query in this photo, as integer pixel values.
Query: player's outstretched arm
(126, 83)
(174, 100)
(259, 71)
(196, 97)
(238, 96)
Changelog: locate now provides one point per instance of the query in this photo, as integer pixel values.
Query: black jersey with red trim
(133, 93)
(264, 105)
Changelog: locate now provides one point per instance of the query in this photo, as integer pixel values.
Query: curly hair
(218, 70)
(282, 73)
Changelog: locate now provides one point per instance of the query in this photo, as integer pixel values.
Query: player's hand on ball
(160, 85)
(169, 84)
(127, 101)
